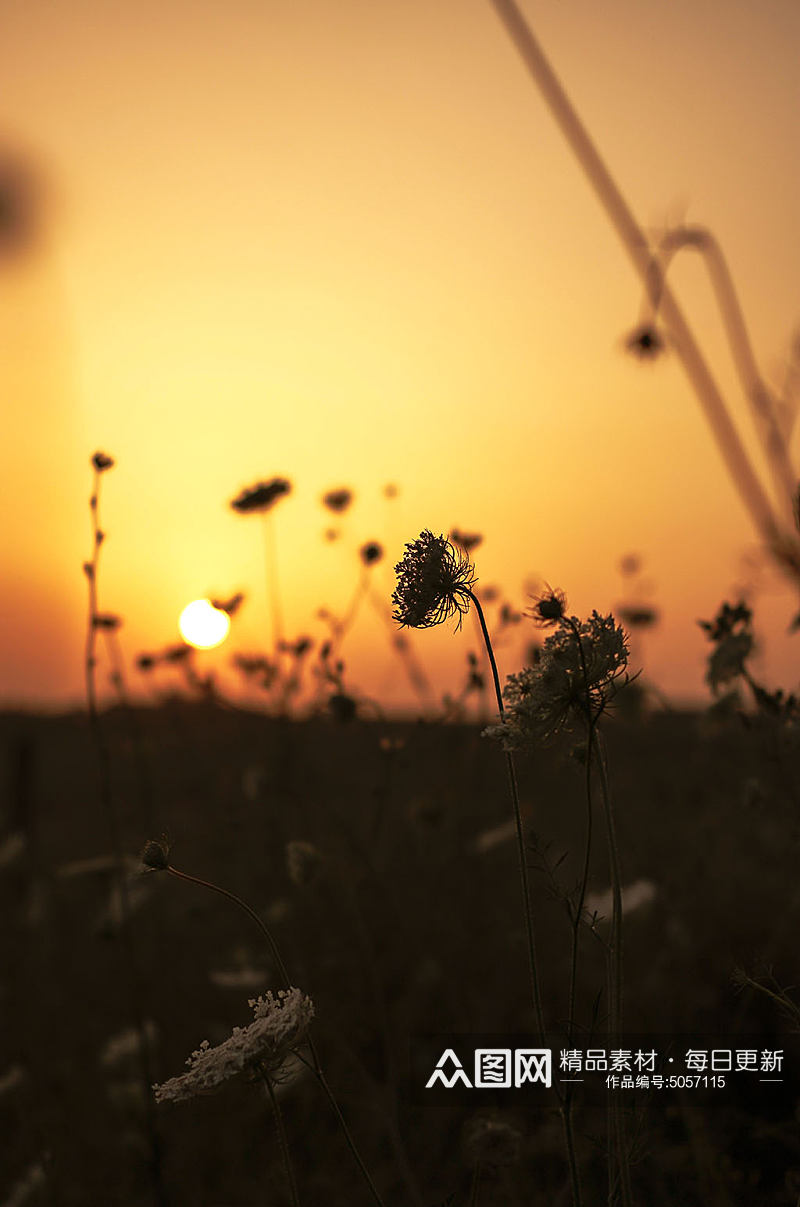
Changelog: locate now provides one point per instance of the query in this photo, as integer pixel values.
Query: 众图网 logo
(495, 1069)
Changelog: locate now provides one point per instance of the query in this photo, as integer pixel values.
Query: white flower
(569, 683)
(279, 1025)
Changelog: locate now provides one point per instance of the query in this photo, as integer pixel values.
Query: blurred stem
(251, 913)
(616, 968)
(737, 461)
(282, 1140)
(135, 990)
(316, 1067)
(273, 587)
(523, 861)
(476, 1185)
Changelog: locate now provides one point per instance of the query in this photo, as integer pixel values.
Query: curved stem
(316, 1067)
(523, 861)
(251, 913)
(282, 1140)
(633, 239)
(762, 403)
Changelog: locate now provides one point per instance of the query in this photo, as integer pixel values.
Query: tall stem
(523, 859)
(316, 1067)
(108, 803)
(616, 970)
(633, 239)
(282, 1140)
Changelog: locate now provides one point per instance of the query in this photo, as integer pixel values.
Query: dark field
(406, 922)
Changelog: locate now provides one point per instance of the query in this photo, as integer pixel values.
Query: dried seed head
(155, 855)
(548, 608)
(102, 462)
(645, 342)
(434, 582)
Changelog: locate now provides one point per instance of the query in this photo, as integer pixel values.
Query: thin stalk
(736, 459)
(251, 913)
(273, 587)
(320, 1076)
(282, 1140)
(316, 1067)
(109, 808)
(759, 396)
(523, 861)
(476, 1185)
(616, 960)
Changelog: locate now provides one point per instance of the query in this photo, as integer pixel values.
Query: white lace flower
(280, 1023)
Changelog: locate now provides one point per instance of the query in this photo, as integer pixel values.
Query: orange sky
(346, 243)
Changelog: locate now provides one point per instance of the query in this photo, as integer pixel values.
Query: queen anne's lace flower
(434, 582)
(279, 1025)
(556, 693)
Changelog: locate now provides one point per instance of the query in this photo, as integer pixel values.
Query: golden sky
(345, 243)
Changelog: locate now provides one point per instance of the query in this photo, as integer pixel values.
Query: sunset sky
(345, 243)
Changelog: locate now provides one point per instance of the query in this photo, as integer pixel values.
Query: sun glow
(202, 625)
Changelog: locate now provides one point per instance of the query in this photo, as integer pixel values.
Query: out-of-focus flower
(645, 342)
(638, 616)
(261, 497)
(338, 500)
(231, 606)
(303, 862)
(552, 696)
(102, 462)
(280, 1024)
(107, 620)
(731, 633)
(434, 582)
(391, 491)
(465, 540)
(371, 553)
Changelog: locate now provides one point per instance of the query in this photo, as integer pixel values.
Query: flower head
(370, 553)
(101, 461)
(434, 582)
(155, 855)
(338, 500)
(261, 497)
(567, 685)
(279, 1026)
(548, 608)
(645, 342)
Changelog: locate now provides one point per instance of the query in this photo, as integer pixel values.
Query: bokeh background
(346, 244)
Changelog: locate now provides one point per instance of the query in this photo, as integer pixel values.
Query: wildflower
(645, 342)
(279, 1025)
(556, 692)
(338, 500)
(102, 462)
(466, 540)
(731, 632)
(638, 616)
(548, 608)
(231, 606)
(261, 497)
(107, 620)
(370, 553)
(434, 582)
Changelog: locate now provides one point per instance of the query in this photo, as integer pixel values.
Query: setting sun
(202, 625)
